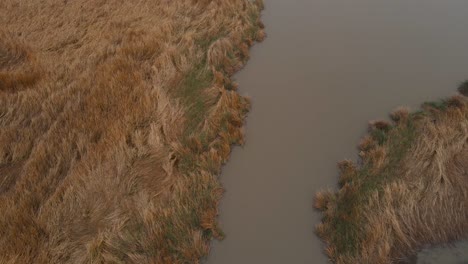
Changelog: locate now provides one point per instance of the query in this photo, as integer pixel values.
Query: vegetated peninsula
(115, 118)
(410, 188)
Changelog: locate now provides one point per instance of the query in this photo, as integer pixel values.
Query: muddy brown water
(325, 70)
(456, 253)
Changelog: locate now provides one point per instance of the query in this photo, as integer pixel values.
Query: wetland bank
(117, 115)
(329, 67)
(409, 189)
(115, 118)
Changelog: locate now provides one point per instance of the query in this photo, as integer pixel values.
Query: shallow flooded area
(325, 70)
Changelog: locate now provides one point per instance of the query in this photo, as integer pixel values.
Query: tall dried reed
(115, 117)
(410, 188)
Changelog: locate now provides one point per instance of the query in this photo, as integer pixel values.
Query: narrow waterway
(325, 70)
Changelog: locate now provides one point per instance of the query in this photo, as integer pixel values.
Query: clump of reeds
(410, 188)
(115, 120)
(463, 88)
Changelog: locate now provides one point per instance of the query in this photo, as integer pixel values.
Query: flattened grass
(116, 119)
(375, 217)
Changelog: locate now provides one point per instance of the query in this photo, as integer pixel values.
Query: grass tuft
(463, 88)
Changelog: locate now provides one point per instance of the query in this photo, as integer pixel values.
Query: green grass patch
(345, 230)
(191, 94)
(439, 105)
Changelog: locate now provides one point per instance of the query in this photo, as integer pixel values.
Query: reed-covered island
(115, 118)
(409, 188)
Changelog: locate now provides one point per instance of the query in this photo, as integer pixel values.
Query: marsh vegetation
(409, 189)
(115, 118)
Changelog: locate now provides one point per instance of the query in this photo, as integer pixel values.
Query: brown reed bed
(115, 118)
(409, 189)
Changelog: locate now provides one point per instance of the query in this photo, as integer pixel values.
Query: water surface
(456, 253)
(325, 70)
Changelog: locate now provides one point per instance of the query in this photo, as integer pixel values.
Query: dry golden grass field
(410, 188)
(115, 118)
